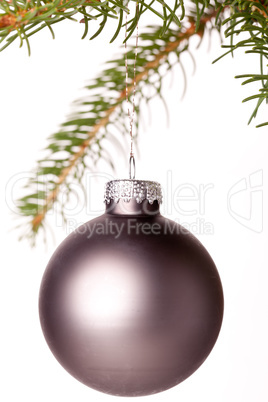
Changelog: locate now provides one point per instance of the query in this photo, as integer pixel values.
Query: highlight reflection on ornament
(131, 303)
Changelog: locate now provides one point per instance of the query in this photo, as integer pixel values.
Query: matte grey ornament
(131, 303)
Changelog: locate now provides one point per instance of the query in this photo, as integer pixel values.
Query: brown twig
(15, 21)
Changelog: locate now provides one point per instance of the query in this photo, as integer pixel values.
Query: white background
(207, 142)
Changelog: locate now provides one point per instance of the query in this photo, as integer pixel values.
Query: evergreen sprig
(247, 28)
(81, 139)
(24, 18)
(79, 142)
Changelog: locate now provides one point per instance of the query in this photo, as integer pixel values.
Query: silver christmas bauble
(131, 303)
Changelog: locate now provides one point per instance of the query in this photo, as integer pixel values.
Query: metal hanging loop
(132, 168)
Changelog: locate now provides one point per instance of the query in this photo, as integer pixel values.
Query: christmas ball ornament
(131, 303)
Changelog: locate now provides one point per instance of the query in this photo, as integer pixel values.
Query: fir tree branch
(87, 128)
(248, 19)
(24, 18)
(82, 135)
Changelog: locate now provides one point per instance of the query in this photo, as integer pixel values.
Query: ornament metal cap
(129, 189)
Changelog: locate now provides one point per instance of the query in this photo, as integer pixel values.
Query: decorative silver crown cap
(129, 189)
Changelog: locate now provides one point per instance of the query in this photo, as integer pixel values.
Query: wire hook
(132, 168)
